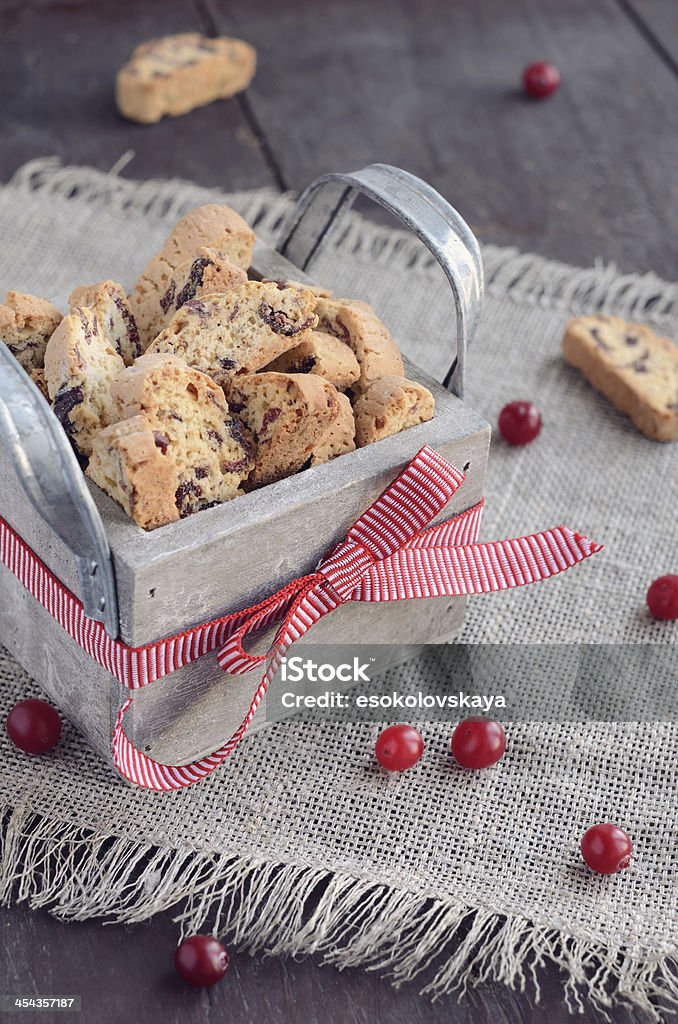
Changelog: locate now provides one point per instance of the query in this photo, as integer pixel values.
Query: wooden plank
(433, 87)
(57, 76)
(657, 20)
(125, 974)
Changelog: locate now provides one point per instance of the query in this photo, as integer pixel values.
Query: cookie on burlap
(177, 450)
(288, 414)
(241, 330)
(26, 324)
(356, 324)
(116, 319)
(324, 355)
(390, 405)
(210, 272)
(175, 74)
(339, 438)
(636, 370)
(80, 367)
(211, 226)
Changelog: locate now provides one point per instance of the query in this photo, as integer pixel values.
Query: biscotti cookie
(175, 74)
(356, 324)
(116, 319)
(389, 406)
(40, 381)
(26, 324)
(287, 414)
(212, 226)
(178, 449)
(339, 438)
(239, 331)
(324, 355)
(80, 366)
(208, 273)
(636, 370)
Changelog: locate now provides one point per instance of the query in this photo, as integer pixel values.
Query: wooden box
(228, 557)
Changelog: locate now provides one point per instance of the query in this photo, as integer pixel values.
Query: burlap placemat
(297, 844)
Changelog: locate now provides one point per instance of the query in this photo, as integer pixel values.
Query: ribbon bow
(391, 553)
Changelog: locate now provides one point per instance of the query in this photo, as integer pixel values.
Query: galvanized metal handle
(53, 481)
(423, 211)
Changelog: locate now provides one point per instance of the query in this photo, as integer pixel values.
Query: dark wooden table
(431, 86)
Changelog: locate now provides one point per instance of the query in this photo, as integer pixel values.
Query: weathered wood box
(145, 586)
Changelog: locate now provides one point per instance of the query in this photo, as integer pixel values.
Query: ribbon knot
(392, 552)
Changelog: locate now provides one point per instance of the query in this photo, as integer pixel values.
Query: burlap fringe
(524, 277)
(288, 909)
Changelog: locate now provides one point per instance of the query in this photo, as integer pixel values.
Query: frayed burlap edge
(275, 909)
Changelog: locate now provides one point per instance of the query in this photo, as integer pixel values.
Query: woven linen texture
(298, 806)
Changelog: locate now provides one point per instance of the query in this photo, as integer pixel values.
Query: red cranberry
(398, 747)
(519, 422)
(606, 849)
(541, 79)
(662, 598)
(478, 742)
(201, 961)
(34, 726)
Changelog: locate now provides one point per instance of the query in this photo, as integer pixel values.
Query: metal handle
(422, 210)
(54, 483)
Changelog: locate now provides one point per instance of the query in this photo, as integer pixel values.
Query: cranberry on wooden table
(398, 747)
(662, 598)
(606, 848)
(201, 961)
(519, 422)
(478, 742)
(540, 79)
(34, 726)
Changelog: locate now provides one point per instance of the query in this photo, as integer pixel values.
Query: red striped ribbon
(391, 553)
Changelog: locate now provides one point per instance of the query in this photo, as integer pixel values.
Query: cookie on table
(116, 319)
(635, 369)
(177, 450)
(389, 406)
(358, 326)
(339, 438)
(175, 74)
(212, 226)
(26, 324)
(209, 272)
(288, 414)
(239, 331)
(81, 364)
(324, 355)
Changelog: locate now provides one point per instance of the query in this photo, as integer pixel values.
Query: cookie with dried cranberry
(339, 438)
(635, 369)
(210, 272)
(26, 325)
(212, 226)
(116, 319)
(81, 364)
(358, 326)
(175, 74)
(239, 331)
(324, 355)
(176, 450)
(288, 414)
(390, 405)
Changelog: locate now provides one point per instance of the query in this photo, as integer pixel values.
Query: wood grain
(125, 974)
(433, 87)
